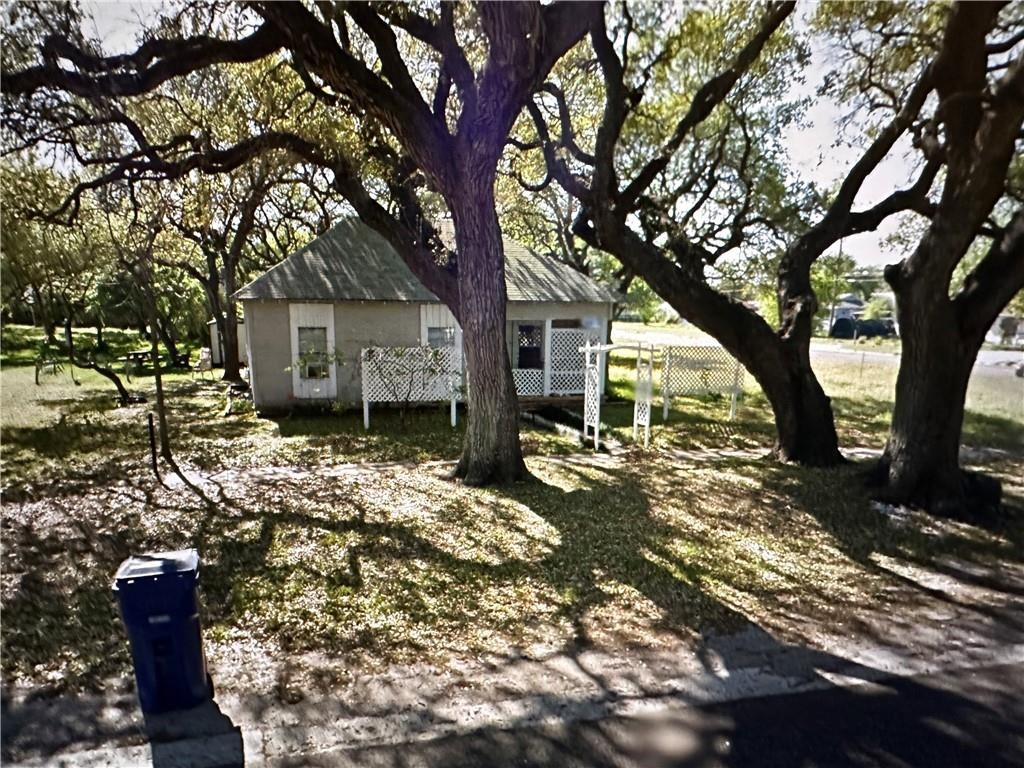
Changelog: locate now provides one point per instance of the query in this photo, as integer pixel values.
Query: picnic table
(134, 360)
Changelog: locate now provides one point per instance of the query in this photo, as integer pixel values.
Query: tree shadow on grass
(622, 542)
(941, 559)
(608, 536)
(265, 549)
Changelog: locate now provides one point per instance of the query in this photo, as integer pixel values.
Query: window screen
(313, 352)
(440, 337)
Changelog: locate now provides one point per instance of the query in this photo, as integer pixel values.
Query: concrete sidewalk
(560, 691)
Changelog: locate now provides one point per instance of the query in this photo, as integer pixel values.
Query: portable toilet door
(215, 354)
(216, 344)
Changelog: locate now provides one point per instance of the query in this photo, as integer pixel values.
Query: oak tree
(433, 91)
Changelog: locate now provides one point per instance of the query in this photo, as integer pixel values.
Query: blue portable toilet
(157, 593)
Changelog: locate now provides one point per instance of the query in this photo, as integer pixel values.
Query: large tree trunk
(491, 452)
(806, 430)
(154, 348)
(166, 332)
(921, 463)
(229, 337)
(803, 412)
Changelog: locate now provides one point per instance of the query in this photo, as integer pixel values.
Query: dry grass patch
(362, 570)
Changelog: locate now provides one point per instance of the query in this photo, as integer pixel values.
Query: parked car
(848, 328)
(843, 328)
(872, 328)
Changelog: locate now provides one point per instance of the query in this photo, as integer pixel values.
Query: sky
(812, 147)
(823, 160)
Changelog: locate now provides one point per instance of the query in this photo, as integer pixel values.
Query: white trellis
(700, 370)
(410, 374)
(644, 394)
(593, 356)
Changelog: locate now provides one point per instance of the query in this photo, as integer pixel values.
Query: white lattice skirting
(567, 366)
(529, 381)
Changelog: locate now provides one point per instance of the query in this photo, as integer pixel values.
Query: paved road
(987, 358)
(966, 718)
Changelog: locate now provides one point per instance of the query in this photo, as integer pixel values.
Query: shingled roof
(352, 262)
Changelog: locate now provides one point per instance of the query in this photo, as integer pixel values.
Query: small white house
(309, 318)
(217, 344)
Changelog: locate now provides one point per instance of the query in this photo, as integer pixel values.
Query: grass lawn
(332, 571)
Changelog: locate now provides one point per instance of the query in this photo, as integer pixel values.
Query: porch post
(603, 369)
(547, 357)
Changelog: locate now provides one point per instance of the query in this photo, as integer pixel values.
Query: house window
(440, 337)
(530, 339)
(313, 353)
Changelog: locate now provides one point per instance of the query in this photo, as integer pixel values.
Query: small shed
(309, 317)
(217, 344)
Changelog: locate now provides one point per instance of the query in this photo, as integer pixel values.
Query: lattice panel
(567, 364)
(591, 400)
(529, 381)
(644, 396)
(645, 388)
(411, 374)
(643, 414)
(567, 382)
(700, 371)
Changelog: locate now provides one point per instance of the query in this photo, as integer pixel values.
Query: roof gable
(352, 262)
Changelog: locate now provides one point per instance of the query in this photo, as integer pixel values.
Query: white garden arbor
(685, 370)
(594, 356)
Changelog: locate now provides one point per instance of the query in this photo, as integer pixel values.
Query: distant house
(849, 305)
(348, 290)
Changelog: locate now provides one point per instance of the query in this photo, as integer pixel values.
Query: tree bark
(806, 430)
(941, 338)
(921, 464)
(229, 337)
(166, 332)
(803, 411)
(491, 451)
(161, 410)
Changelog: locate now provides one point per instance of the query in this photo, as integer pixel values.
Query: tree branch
(708, 96)
(994, 281)
(152, 64)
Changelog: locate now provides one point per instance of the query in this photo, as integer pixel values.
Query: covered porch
(545, 354)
